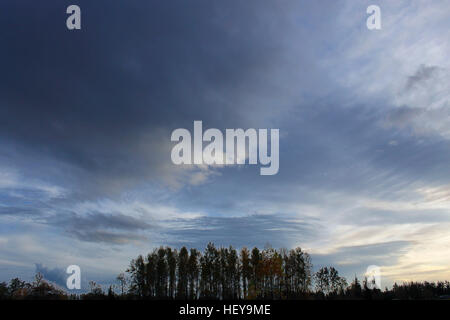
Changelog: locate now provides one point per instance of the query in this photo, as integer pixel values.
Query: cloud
(113, 132)
(56, 275)
(96, 220)
(107, 236)
(249, 231)
(353, 261)
(16, 211)
(99, 227)
(427, 100)
(382, 254)
(422, 75)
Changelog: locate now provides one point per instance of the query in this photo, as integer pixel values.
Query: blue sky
(86, 117)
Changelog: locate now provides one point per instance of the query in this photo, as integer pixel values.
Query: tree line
(226, 273)
(221, 273)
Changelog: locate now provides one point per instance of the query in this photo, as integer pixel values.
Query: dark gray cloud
(109, 221)
(94, 99)
(422, 74)
(109, 237)
(16, 211)
(56, 275)
(403, 116)
(59, 277)
(100, 227)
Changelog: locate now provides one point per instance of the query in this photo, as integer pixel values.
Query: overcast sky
(86, 116)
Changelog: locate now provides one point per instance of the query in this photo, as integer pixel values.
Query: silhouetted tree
(162, 272)
(223, 273)
(193, 273)
(172, 264)
(246, 270)
(122, 282)
(183, 260)
(255, 280)
(138, 274)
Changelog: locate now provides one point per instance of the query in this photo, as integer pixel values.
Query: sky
(86, 116)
